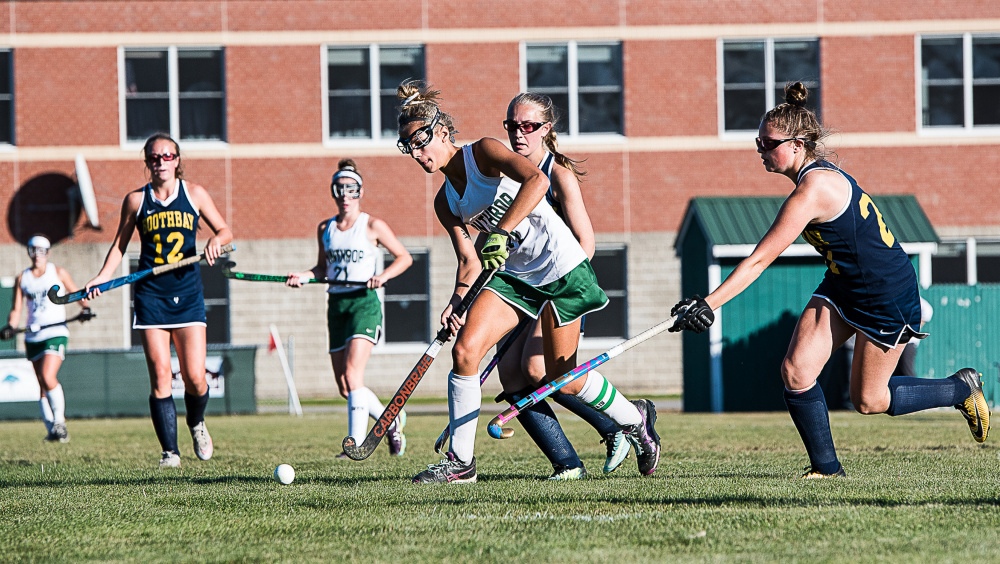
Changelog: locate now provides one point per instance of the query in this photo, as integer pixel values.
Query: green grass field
(919, 490)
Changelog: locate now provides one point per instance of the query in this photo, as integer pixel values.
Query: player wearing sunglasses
(530, 125)
(869, 291)
(348, 251)
(546, 272)
(170, 308)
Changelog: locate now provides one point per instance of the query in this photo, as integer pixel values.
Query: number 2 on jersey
(866, 201)
(175, 254)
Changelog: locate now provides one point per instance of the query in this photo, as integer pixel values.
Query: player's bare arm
(494, 159)
(568, 192)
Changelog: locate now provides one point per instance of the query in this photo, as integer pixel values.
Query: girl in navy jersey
(869, 290)
(530, 126)
(170, 308)
(348, 251)
(546, 275)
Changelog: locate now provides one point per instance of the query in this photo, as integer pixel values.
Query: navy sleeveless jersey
(167, 233)
(869, 276)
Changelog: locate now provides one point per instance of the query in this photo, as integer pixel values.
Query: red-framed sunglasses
(525, 126)
(165, 157)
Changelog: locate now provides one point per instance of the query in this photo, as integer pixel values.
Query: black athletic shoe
(644, 438)
(58, 434)
(974, 408)
(449, 471)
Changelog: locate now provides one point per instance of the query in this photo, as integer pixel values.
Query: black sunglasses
(766, 144)
(525, 126)
(419, 138)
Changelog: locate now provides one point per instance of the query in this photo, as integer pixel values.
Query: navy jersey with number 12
(167, 230)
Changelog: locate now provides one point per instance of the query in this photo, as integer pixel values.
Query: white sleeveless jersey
(545, 249)
(350, 255)
(41, 310)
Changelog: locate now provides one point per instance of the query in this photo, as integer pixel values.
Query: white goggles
(346, 191)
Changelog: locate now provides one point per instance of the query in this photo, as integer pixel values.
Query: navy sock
(812, 419)
(909, 394)
(542, 426)
(597, 419)
(164, 414)
(195, 406)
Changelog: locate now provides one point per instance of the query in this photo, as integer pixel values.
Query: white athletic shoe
(202, 441)
(170, 460)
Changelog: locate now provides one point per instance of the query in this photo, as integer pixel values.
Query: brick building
(661, 97)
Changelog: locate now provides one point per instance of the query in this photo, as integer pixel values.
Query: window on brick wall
(407, 301)
(6, 97)
(584, 81)
(178, 90)
(959, 81)
(611, 267)
(361, 87)
(754, 74)
(216, 292)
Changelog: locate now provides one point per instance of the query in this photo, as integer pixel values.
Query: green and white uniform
(547, 263)
(41, 311)
(351, 256)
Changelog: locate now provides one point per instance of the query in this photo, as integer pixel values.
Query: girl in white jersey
(348, 251)
(45, 347)
(547, 275)
(530, 125)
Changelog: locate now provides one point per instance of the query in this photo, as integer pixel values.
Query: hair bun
(347, 164)
(796, 93)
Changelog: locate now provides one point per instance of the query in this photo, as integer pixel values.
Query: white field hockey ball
(284, 474)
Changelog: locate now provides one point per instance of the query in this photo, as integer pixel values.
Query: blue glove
(494, 251)
(693, 314)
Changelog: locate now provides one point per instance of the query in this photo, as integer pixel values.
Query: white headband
(348, 174)
(409, 99)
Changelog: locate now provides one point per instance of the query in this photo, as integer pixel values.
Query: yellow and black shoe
(974, 408)
(816, 475)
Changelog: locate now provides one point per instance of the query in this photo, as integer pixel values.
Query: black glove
(694, 314)
(7, 333)
(86, 314)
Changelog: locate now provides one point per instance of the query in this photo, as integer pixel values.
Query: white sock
(46, 409)
(357, 415)
(375, 406)
(464, 400)
(602, 395)
(58, 402)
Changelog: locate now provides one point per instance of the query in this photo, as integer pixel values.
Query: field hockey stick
(37, 328)
(155, 271)
(250, 277)
(440, 443)
(496, 429)
(410, 383)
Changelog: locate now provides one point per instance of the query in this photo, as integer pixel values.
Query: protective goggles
(767, 144)
(165, 157)
(419, 138)
(37, 251)
(526, 127)
(346, 191)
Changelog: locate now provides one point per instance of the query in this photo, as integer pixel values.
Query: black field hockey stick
(250, 277)
(439, 444)
(410, 383)
(496, 429)
(36, 328)
(124, 280)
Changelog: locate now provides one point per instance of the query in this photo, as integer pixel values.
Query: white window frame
(967, 128)
(406, 347)
(769, 82)
(374, 62)
(573, 135)
(603, 343)
(174, 97)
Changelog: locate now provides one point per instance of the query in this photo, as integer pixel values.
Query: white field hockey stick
(155, 271)
(398, 400)
(442, 440)
(496, 429)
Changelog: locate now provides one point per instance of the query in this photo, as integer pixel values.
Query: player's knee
(794, 376)
(534, 369)
(869, 405)
(463, 355)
